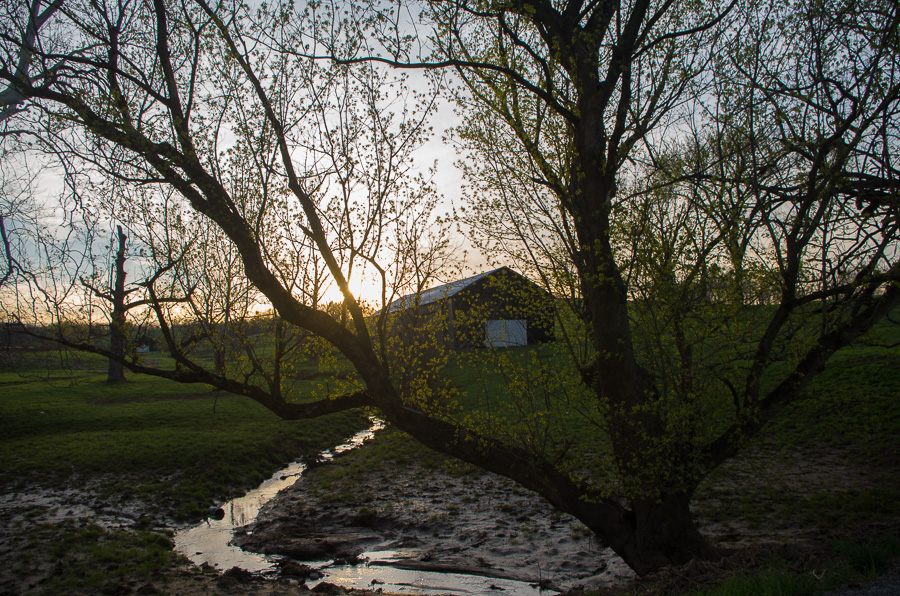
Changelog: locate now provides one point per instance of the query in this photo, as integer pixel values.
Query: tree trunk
(117, 337)
(658, 529)
(116, 372)
(663, 534)
(649, 534)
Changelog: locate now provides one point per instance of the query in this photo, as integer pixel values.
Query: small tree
(117, 297)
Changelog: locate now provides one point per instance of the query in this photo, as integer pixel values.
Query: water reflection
(209, 541)
(378, 573)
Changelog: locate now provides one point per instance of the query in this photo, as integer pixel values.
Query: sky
(447, 180)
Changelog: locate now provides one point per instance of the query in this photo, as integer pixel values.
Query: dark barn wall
(422, 323)
(458, 321)
(502, 295)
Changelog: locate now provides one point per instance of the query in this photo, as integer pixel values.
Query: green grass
(531, 396)
(774, 579)
(177, 446)
(157, 448)
(69, 557)
(529, 392)
(847, 562)
(868, 557)
(851, 412)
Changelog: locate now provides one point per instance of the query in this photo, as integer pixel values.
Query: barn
(498, 308)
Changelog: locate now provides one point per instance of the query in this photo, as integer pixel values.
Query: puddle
(208, 542)
(423, 582)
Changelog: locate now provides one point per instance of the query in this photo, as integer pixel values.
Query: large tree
(687, 166)
(229, 108)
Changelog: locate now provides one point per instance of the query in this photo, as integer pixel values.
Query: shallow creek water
(209, 543)
(378, 573)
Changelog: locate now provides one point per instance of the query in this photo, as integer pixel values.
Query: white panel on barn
(504, 333)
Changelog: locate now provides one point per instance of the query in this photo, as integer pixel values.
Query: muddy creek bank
(355, 522)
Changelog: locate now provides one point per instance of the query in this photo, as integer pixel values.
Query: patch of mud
(28, 514)
(429, 519)
(75, 500)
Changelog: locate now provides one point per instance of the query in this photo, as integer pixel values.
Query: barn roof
(437, 293)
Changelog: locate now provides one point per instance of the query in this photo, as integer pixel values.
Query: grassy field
(826, 471)
(178, 448)
(156, 451)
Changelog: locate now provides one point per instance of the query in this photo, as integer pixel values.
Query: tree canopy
(710, 190)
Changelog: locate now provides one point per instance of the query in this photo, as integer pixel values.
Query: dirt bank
(419, 512)
(422, 513)
(431, 518)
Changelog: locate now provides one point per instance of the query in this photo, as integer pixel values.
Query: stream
(209, 543)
